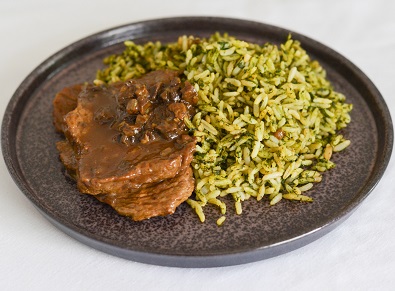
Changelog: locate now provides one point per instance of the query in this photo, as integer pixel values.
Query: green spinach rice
(267, 121)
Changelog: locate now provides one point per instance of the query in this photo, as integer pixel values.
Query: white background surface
(357, 255)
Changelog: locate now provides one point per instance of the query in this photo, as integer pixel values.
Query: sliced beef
(127, 143)
(67, 156)
(64, 102)
(167, 194)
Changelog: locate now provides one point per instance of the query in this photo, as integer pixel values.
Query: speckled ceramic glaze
(28, 143)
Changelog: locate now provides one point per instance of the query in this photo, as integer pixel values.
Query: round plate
(28, 144)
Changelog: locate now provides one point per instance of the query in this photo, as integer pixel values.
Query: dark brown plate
(28, 144)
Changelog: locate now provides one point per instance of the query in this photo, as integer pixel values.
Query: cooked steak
(127, 143)
(64, 102)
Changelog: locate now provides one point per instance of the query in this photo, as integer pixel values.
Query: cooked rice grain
(267, 121)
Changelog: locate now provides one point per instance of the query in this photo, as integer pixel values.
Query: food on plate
(127, 143)
(265, 119)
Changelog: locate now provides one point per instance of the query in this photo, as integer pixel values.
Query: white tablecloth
(357, 255)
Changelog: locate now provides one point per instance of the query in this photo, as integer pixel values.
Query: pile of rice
(267, 118)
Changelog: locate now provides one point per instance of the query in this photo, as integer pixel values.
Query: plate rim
(108, 37)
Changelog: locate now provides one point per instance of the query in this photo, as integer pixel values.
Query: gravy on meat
(127, 143)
